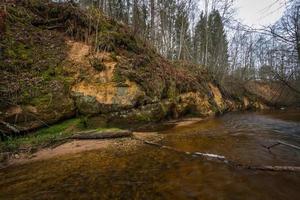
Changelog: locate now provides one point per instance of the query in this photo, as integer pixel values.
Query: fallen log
(94, 135)
(289, 145)
(207, 156)
(279, 142)
(275, 168)
(222, 159)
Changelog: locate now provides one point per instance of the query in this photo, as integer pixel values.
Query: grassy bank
(45, 137)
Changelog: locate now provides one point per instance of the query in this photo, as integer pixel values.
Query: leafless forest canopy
(207, 33)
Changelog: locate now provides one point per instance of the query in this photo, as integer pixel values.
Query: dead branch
(55, 27)
(48, 22)
(276, 168)
(285, 82)
(222, 159)
(281, 143)
(10, 127)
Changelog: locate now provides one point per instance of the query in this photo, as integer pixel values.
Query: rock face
(122, 81)
(194, 103)
(218, 98)
(95, 98)
(98, 92)
(40, 111)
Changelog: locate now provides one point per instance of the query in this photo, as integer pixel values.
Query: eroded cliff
(55, 64)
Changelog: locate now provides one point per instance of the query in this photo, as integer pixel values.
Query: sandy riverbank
(77, 146)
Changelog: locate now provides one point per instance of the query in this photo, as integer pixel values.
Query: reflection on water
(241, 137)
(147, 172)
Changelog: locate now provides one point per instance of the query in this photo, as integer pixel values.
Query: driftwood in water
(94, 135)
(207, 156)
(275, 168)
(219, 158)
(282, 143)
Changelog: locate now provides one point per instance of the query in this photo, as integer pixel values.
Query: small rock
(17, 156)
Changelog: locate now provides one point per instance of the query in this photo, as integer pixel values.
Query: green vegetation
(39, 68)
(42, 137)
(47, 136)
(30, 69)
(97, 64)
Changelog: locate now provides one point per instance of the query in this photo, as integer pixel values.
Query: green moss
(214, 108)
(26, 96)
(67, 81)
(42, 100)
(16, 55)
(19, 14)
(117, 76)
(41, 137)
(143, 117)
(113, 40)
(47, 136)
(49, 74)
(54, 12)
(84, 121)
(171, 91)
(165, 108)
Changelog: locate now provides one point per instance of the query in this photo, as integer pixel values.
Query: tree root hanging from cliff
(222, 159)
(10, 127)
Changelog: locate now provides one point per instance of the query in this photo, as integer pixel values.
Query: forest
(207, 33)
(149, 99)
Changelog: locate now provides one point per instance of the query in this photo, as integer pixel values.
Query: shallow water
(146, 172)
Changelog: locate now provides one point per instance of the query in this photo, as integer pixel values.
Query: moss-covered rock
(147, 113)
(87, 104)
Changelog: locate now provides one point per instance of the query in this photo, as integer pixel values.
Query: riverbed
(133, 170)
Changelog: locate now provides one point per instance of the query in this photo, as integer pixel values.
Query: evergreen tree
(217, 45)
(183, 37)
(199, 40)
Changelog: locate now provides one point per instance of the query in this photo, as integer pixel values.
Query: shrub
(97, 64)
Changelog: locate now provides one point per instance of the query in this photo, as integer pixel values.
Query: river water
(148, 172)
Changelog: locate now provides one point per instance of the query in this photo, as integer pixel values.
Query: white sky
(259, 12)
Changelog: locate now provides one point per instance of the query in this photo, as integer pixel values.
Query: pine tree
(217, 45)
(199, 40)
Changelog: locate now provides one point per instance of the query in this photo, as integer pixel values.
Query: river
(148, 172)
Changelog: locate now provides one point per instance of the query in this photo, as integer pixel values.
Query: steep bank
(56, 62)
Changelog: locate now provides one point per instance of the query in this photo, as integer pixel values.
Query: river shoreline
(228, 154)
(71, 146)
(78, 146)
